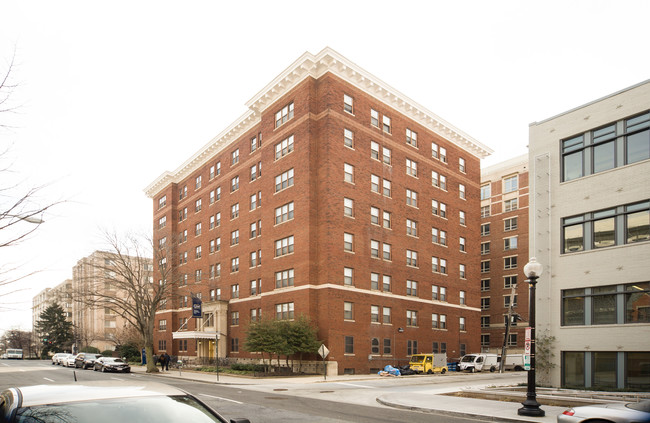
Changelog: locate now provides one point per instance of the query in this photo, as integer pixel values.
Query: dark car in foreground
(85, 360)
(608, 413)
(105, 402)
(111, 364)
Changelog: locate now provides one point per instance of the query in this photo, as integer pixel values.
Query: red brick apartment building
(504, 252)
(337, 197)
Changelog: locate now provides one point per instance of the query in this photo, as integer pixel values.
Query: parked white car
(69, 361)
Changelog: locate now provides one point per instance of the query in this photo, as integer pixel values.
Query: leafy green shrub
(247, 367)
(130, 351)
(89, 349)
(107, 353)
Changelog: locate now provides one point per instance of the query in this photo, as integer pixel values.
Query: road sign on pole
(323, 351)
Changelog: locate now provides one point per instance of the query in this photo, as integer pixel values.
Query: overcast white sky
(112, 94)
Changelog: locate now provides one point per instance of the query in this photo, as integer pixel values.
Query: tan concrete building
(504, 252)
(95, 326)
(60, 294)
(590, 229)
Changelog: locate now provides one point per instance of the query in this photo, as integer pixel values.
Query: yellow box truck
(429, 363)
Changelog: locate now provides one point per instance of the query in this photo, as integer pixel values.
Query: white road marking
(220, 398)
(352, 384)
(117, 378)
(48, 379)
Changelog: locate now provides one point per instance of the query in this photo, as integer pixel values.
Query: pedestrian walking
(167, 359)
(162, 361)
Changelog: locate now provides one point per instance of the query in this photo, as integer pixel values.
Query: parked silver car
(105, 402)
(69, 362)
(608, 413)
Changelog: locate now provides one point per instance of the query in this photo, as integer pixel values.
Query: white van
(479, 362)
(514, 362)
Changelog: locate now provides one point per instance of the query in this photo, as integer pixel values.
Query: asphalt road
(320, 403)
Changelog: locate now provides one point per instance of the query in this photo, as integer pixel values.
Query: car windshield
(158, 409)
(468, 359)
(639, 406)
(112, 360)
(417, 359)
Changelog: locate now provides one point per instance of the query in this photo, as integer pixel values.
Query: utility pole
(504, 348)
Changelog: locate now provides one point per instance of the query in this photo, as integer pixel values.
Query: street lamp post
(533, 270)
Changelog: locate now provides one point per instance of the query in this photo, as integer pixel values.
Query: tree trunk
(148, 349)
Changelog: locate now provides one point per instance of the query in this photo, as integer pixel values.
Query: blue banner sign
(196, 307)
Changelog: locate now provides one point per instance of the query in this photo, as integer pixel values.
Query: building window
(485, 248)
(510, 262)
(374, 215)
(443, 325)
(283, 115)
(387, 127)
(234, 318)
(348, 207)
(461, 191)
(461, 268)
(386, 156)
(412, 288)
(284, 278)
(349, 345)
(485, 303)
(162, 202)
(284, 246)
(348, 103)
(411, 258)
(234, 291)
(253, 259)
(234, 211)
(387, 346)
(348, 311)
(485, 284)
(461, 323)
(435, 178)
(434, 150)
(510, 224)
(234, 345)
(374, 345)
(485, 229)
(234, 237)
(485, 266)
(162, 222)
(284, 213)
(374, 249)
(374, 314)
(510, 205)
(197, 252)
(374, 281)
(412, 168)
(182, 214)
(374, 183)
(485, 192)
(386, 219)
(374, 150)
(510, 281)
(234, 157)
(284, 180)
(461, 243)
(443, 154)
(411, 198)
(162, 324)
(386, 248)
(348, 138)
(411, 227)
(284, 311)
(443, 182)
(348, 242)
(197, 229)
(386, 315)
(411, 138)
(510, 243)
(485, 321)
(461, 164)
(348, 276)
(411, 347)
(510, 184)
(411, 318)
(374, 118)
(234, 264)
(601, 145)
(348, 173)
(506, 303)
(599, 305)
(284, 147)
(386, 283)
(182, 193)
(602, 227)
(461, 217)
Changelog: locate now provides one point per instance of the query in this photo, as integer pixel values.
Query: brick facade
(319, 225)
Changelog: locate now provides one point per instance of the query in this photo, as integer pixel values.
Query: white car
(69, 361)
(56, 358)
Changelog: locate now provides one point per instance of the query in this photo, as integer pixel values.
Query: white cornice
(309, 65)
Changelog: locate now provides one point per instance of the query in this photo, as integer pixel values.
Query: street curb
(480, 417)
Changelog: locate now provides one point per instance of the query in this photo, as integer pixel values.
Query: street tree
(54, 330)
(123, 283)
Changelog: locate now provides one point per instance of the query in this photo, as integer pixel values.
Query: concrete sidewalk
(428, 400)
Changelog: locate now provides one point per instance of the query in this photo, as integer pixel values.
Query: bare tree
(123, 283)
(21, 208)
